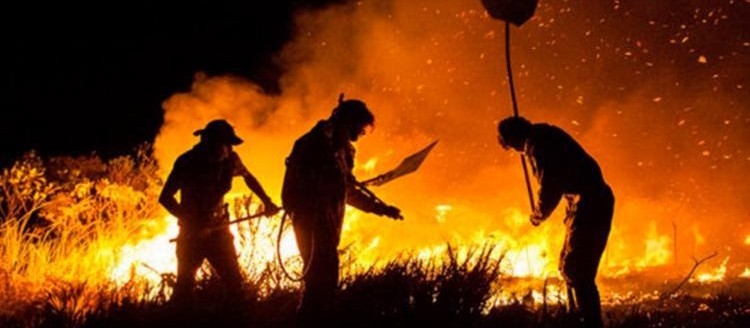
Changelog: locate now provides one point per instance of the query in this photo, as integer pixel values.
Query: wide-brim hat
(219, 130)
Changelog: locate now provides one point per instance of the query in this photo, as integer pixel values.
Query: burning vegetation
(656, 98)
(85, 244)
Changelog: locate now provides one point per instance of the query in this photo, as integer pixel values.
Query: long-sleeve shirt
(203, 175)
(319, 177)
(560, 165)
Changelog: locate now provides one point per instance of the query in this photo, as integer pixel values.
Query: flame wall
(656, 93)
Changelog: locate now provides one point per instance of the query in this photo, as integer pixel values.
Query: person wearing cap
(318, 183)
(203, 175)
(563, 168)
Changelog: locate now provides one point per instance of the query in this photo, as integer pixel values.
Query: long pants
(318, 236)
(218, 248)
(589, 223)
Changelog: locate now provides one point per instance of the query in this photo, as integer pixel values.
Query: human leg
(318, 248)
(189, 259)
(222, 255)
(579, 265)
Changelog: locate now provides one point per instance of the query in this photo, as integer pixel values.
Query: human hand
(270, 209)
(392, 212)
(535, 219)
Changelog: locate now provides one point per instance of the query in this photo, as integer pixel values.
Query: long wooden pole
(515, 111)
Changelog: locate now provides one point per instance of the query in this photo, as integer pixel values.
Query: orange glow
(255, 241)
(699, 238)
(469, 191)
(434, 70)
(714, 275)
(369, 166)
(657, 248)
(442, 211)
(148, 257)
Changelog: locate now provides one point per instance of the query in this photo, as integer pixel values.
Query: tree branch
(690, 274)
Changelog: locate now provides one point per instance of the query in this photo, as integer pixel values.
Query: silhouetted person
(318, 183)
(203, 175)
(563, 168)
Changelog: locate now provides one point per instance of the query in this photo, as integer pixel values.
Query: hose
(306, 264)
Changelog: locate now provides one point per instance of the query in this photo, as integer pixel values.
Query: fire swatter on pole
(516, 12)
(408, 165)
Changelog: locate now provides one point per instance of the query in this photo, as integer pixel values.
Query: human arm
(548, 197)
(270, 208)
(359, 196)
(546, 163)
(167, 195)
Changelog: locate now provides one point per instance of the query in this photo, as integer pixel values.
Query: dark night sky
(91, 78)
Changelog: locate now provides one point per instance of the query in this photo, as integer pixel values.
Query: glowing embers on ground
(531, 293)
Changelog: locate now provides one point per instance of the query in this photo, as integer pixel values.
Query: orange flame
(715, 275)
(452, 89)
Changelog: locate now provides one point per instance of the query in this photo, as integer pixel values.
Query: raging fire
(670, 161)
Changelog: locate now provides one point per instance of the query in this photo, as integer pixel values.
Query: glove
(392, 212)
(535, 219)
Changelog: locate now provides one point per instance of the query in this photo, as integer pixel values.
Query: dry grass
(62, 222)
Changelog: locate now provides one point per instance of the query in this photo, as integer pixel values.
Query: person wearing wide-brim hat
(203, 175)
